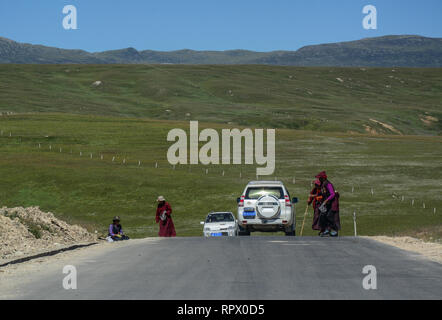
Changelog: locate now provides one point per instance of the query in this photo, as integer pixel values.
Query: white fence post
(354, 223)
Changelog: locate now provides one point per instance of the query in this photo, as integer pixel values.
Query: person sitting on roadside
(116, 230)
(315, 199)
(329, 220)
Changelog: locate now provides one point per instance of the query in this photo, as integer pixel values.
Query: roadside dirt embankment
(27, 231)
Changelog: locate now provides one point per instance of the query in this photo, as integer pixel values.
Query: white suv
(266, 206)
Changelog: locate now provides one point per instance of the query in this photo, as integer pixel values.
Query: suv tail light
(241, 201)
(287, 201)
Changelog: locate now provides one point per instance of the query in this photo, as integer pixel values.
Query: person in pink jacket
(329, 219)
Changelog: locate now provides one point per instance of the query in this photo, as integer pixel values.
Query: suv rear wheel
(243, 232)
(290, 232)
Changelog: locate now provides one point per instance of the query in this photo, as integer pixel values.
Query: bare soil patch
(430, 250)
(28, 231)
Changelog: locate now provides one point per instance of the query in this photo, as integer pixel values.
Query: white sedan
(219, 224)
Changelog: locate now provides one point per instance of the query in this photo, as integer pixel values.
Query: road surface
(229, 268)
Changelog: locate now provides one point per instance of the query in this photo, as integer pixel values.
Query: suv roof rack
(265, 182)
(219, 212)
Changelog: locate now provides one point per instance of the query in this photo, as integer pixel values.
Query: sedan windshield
(220, 217)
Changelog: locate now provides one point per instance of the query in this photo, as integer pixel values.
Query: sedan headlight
(231, 227)
(206, 229)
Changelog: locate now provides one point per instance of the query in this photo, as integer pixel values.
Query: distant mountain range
(386, 51)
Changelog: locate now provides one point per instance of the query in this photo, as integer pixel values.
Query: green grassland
(90, 191)
(325, 99)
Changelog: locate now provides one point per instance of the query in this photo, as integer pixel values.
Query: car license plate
(217, 234)
(249, 209)
(249, 214)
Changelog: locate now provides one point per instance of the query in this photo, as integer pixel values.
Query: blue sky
(260, 25)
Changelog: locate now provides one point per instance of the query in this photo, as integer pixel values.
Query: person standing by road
(164, 218)
(329, 219)
(315, 199)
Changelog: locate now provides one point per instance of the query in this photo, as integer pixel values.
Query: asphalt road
(234, 268)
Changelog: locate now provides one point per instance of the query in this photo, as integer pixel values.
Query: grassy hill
(387, 51)
(370, 128)
(46, 160)
(376, 100)
(400, 51)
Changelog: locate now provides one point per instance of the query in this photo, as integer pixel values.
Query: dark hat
(321, 175)
(116, 218)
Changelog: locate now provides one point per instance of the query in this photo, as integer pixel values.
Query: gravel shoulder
(430, 250)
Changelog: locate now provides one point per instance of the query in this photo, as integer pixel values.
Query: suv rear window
(257, 192)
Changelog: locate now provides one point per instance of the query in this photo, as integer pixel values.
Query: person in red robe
(315, 199)
(164, 218)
